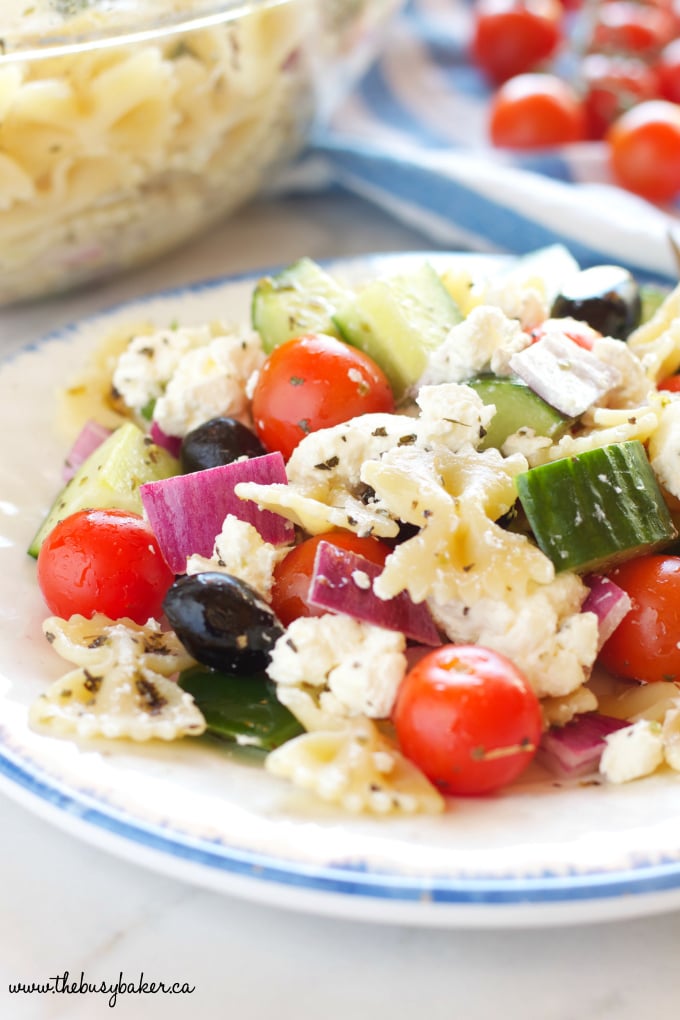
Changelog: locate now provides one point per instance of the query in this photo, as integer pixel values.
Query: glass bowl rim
(205, 14)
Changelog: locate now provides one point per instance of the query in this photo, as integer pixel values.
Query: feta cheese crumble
(353, 668)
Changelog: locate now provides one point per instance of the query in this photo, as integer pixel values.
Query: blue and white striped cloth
(412, 138)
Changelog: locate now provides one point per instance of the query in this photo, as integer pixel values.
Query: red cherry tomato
(644, 646)
(311, 383)
(103, 561)
(626, 27)
(513, 36)
(644, 150)
(668, 70)
(534, 111)
(290, 591)
(468, 719)
(670, 383)
(613, 85)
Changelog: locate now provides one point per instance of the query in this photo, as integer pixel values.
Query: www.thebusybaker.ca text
(63, 984)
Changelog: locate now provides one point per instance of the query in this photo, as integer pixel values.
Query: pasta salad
(405, 535)
(122, 132)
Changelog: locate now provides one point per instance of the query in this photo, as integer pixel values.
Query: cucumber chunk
(652, 297)
(244, 709)
(300, 299)
(596, 508)
(110, 477)
(398, 320)
(517, 406)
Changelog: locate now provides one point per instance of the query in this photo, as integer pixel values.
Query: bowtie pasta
(110, 154)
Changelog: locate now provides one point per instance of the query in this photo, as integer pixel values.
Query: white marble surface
(67, 906)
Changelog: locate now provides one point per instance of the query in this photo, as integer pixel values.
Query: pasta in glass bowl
(126, 126)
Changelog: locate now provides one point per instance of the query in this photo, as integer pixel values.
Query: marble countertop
(70, 907)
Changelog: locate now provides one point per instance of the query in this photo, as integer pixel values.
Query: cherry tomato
(468, 719)
(533, 111)
(668, 70)
(293, 573)
(670, 383)
(513, 36)
(624, 27)
(311, 383)
(644, 646)
(644, 150)
(613, 85)
(103, 561)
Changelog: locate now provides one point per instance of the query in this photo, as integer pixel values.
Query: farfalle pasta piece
(15, 184)
(604, 426)
(459, 553)
(664, 447)
(483, 583)
(670, 732)
(120, 687)
(657, 342)
(356, 767)
(326, 488)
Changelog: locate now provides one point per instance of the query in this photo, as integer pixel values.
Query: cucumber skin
(561, 502)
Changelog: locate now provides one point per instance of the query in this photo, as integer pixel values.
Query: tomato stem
(482, 754)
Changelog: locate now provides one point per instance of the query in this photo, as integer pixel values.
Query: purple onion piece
(609, 602)
(342, 582)
(186, 512)
(575, 749)
(90, 437)
(170, 443)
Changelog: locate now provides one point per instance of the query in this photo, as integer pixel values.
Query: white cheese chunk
(485, 339)
(633, 752)
(241, 551)
(566, 376)
(355, 667)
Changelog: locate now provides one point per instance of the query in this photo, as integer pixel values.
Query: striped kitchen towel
(412, 137)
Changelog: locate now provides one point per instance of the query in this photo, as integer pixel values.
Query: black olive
(218, 441)
(222, 622)
(606, 297)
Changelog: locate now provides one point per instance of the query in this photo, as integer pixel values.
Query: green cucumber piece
(596, 508)
(517, 406)
(398, 320)
(244, 709)
(300, 299)
(110, 477)
(652, 297)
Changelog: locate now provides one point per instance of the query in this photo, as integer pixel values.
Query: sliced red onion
(575, 749)
(91, 436)
(342, 582)
(186, 512)
(609, 602)
(170, 443)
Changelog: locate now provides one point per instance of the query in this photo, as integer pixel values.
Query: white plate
(537, 854)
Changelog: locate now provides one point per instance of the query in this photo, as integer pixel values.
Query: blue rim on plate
(344, 879)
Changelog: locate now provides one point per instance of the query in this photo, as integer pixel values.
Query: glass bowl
(127, 126)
